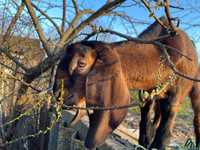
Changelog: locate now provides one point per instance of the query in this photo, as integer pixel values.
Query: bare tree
(31, 68)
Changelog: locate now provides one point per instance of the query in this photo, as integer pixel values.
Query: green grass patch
(184, 110)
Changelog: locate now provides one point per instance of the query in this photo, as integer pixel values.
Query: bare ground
(183, 128)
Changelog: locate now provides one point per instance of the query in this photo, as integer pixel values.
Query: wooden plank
(127, 134)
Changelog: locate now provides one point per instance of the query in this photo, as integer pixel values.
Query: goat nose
(81, 63)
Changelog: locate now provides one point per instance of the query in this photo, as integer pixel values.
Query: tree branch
(48, 62)
(10, 68)
(10, 76)
(75, 21)
(13, 22)
(176, 7)
(173, 67)
(49, 18)
(64, 16)
(152, 13)
(167, 4)
(67, 36)
(75, 6)
(37, 26)
(14, 59)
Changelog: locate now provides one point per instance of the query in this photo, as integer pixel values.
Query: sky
(189, 16)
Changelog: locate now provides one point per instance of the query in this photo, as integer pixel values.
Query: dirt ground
(183, 126)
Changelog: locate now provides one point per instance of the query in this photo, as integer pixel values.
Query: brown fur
(195, 99)
(154, 30)
(104, 86)
(146, 64)
(146, 115)
(175, 96)
(141, 66)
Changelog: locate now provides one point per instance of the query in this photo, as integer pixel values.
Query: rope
(102, 108)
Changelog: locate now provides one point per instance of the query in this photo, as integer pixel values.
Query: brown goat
(148, 127)
(104, 86)
(144, 69)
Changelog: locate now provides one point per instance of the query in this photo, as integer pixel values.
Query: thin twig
(152, 13)
(102, 108)
(74, 22)
(10, 68)
(74, 2)
(176, 7)
(13, 22)
(64, 16)
(23, 82)
(167, 4)
(173, 67)
(103, 10)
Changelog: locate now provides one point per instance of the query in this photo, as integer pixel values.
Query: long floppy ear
(72, 65)
(61, 74)
(105, 86)
(106, 65)
(101, 78)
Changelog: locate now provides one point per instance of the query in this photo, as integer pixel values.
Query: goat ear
(72, 65)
